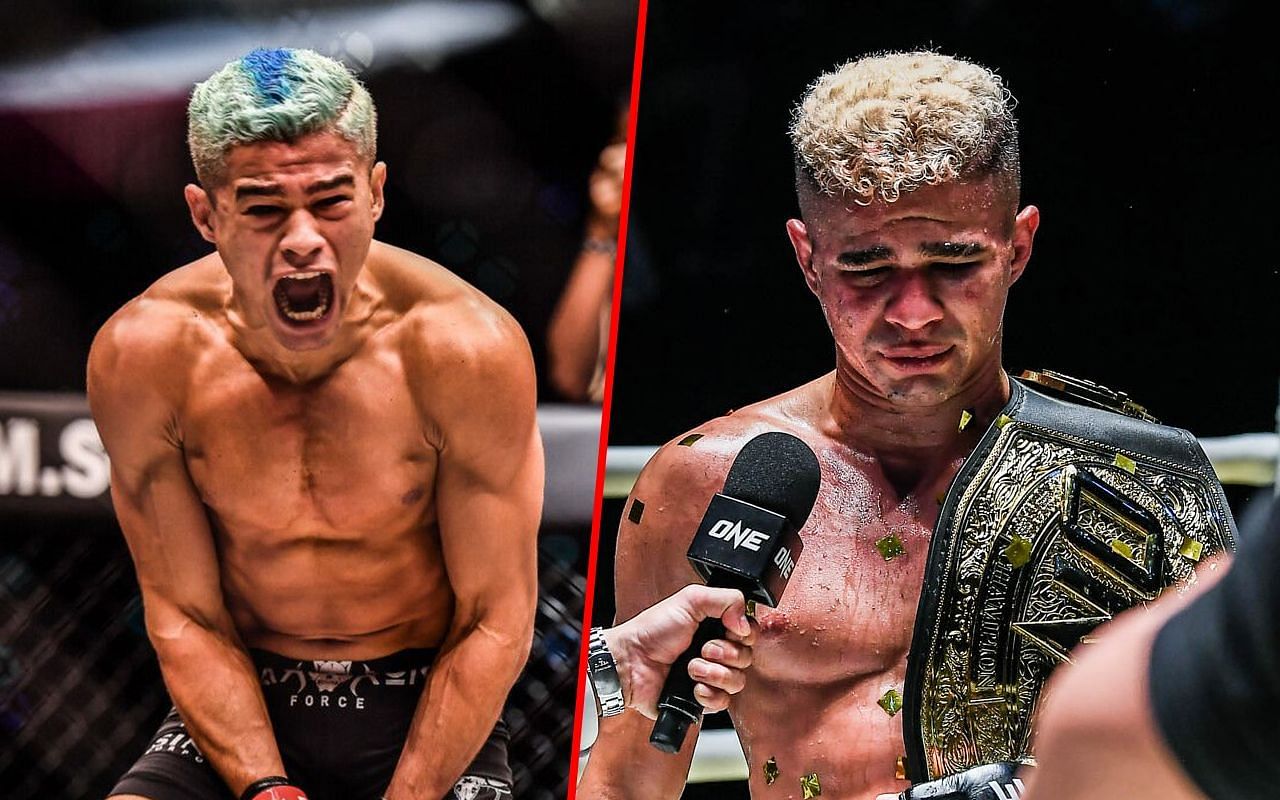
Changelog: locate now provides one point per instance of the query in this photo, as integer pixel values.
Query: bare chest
(849, 610)
(341, 457)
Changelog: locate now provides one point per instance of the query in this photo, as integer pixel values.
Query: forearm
(459, 707)
(624, 766)
(215, 687)
(573, 334)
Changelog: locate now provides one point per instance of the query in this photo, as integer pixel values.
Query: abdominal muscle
(835, 731)
(328, 597)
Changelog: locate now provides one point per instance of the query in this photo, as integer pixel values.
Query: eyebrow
(953, 249)
(857, 258)
(346, 179)
(274, 190)
(258, 190)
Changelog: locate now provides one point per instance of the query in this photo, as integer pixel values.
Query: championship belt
(1066, 514)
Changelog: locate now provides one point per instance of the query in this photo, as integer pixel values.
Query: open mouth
(303, 297)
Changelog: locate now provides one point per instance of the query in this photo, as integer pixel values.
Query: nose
(302, 241)
(913, 305)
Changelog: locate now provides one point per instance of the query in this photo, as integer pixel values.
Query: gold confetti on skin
(890, 547)
(941, 498)
(1002, 420)
(1125, 463)
(966, 417)
(1018, 551)
(1122, 548)
(770, 771)
(810, 786)
(751, 609)
(1191, 549)
(900, 769)
(891, 702)
(636, 512)
(689, 440)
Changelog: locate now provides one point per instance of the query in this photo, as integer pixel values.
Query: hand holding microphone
(645, 646)
(747, 541)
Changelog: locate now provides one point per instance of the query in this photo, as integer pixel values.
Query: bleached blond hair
(276, 95)
(890, 123)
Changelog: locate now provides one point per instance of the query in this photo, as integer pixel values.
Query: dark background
(1146, 145)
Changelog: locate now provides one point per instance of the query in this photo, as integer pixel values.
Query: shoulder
(676, 486)
(466, 361)
(701, 457)
(448, 327)
(150, 341)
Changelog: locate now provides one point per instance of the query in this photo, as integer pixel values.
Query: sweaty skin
(374, 487)
(917, 335)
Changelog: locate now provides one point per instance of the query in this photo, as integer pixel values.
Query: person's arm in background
(1097, 737)
(576, 331)
(1179, 701)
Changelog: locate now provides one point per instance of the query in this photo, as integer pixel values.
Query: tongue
(303, 295)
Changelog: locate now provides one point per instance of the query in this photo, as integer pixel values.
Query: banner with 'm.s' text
(51, 459)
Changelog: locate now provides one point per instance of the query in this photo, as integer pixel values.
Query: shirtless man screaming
(326, 464)
(910, 236)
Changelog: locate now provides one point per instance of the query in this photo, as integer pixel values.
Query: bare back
(320, 495)
(838, 640)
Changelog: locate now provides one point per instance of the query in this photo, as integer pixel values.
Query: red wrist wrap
(280, 793)
(273, 789)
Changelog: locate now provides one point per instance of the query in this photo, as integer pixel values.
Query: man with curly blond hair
(910, 235)
(325, 460)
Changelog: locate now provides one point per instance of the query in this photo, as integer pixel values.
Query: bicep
(489, 494)
(163, 520)
(658, 523)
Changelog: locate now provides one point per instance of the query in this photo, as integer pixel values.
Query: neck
(261, 349)
(913, 443)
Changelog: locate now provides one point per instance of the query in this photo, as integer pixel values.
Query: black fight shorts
(340, 727)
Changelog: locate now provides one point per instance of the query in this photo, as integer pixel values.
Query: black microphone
(748, 540)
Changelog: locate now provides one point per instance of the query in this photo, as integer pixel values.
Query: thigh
(171, 768)
(489, 776)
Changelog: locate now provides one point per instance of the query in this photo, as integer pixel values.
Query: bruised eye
(866, 277)
(332, 202)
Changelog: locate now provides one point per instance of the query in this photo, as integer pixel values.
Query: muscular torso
(838, 641)
(320, 497)
(320, 494)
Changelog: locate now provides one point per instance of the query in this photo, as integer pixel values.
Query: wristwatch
(602, 671)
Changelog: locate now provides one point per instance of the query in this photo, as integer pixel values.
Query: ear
(201, 206)
(798, 233)
(377, 182)
(803, 246)
(1025, 225)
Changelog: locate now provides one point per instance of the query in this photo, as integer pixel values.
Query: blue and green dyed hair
(276, 96)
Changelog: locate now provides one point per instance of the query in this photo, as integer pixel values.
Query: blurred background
(1155, 269)
(493, 118)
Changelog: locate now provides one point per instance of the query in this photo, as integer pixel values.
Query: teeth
(303, 316)
(301, 276)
